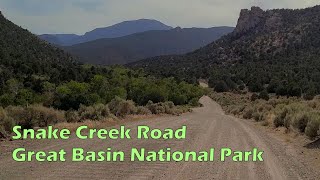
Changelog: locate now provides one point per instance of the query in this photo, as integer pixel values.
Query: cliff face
(259, 20)
(249, 19)
(1, 15)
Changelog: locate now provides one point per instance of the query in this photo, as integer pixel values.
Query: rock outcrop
(256, 17)
(249, 19)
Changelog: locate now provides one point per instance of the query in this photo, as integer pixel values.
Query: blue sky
(79, 16)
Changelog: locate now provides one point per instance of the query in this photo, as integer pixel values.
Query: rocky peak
(249, 19)
(2, 16)
(178, 29)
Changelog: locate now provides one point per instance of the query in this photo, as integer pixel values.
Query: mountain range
(276, 50)
(138, 46)
(118, 30)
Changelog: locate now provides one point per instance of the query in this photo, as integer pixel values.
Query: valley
(143, 100)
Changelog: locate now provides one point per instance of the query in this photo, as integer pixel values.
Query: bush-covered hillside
(25, 57)
(32, 71)
(277, 50)
(111, 91)
(41, 85)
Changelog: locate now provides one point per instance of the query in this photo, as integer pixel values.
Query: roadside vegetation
(110, 93)
(294, 114)
(41, 116)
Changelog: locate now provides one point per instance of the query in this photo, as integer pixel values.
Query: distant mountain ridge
(138, 46)
(277, 50)
(118, 30)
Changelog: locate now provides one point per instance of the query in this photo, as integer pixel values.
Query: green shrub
(264, 95)
(287, 121)
(194, 102)
(278, 121)
(35, 115)
(179, 99)
(95, 112)
(268, 107)
(310, 95)
(126, 108)
(72, 116)
(301, 121)
(169, 104)
(169, 107)
(88, 112)
(248, 113)
(313, 126)
(254, 97)
(8, 124)
(314, 104)
(120, 107)
(42, 116)
(265, 123)
(6, 100)
(16, 112)
(143, 110)
(21, 116)
(233, 110)
(3, 114)
(257, 116)
(114, 104)
(156, 108)
(236, 109)
(178, 110)
(273, 103)
(255, 86)
(166, 108)
(280, 117)
(3, 133)
(242, 108)
(220, 86)
(102, 109)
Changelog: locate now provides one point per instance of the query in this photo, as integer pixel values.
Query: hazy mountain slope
(61, 39)
(278, 49)
(148, 44)
(53, 39)
(126, 28)
(118, 30)
(23, 55)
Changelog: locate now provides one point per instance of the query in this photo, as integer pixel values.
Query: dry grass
(99, 115)
(90, 123)
(294, 114)
(109, 122)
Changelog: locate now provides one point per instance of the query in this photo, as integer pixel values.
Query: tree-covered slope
(25, 57)
(277, 50)
(34, 72)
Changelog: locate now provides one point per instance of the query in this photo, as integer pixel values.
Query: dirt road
(207, 127)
